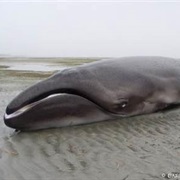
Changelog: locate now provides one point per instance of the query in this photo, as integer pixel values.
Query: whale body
(97, 91)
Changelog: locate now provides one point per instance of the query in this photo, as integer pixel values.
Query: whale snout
(36, 115)
(17, 123)
(9, 122)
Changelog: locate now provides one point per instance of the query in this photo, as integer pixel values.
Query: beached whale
(102, 90)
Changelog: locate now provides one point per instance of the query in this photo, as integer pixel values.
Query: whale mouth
(42, 98)
(45, 97)
(29, 106)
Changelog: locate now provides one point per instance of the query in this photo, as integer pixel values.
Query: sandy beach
(137, 148)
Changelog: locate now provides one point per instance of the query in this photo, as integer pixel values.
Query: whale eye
(123, 104)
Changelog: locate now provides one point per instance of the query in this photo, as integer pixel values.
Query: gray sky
(108, 29)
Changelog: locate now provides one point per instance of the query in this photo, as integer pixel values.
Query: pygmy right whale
(97, 91)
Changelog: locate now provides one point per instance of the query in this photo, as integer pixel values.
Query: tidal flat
(135, 148)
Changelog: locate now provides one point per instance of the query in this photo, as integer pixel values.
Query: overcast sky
(90, 29)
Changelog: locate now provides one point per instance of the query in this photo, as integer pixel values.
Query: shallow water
(27, 66)
(142, 147)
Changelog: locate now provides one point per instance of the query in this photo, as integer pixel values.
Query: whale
(106, 89)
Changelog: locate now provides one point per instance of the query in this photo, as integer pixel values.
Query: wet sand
(141, 147)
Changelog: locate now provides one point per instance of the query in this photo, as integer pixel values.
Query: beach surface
(137, 148)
